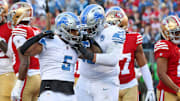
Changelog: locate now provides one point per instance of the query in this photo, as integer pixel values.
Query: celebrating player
(7, 76)
(19, 18)
(132, 50)
(98, 79)
(167, 55)
(57, 58)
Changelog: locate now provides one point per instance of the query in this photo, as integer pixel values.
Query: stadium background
(144, 17)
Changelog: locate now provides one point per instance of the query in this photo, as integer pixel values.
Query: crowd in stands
(144, 15)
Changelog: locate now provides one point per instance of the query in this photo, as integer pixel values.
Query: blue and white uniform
(57, 61)
(99, 81)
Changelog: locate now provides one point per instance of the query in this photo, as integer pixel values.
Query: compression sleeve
(147, 77)
(30, 42)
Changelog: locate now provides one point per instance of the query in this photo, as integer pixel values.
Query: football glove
(16, 92)
(150, 96)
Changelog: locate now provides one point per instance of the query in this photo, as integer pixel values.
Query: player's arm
(113, 52)
(111, 57)
(31, 47)
(142, 62)
(3, 45)
(24, 64)
(162, 64)
(34, 49)
(23, 67)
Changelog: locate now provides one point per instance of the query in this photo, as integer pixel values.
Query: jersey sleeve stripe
(163, 48)
(139, 39)
(20, 34)
(20, 29)
(161, 45)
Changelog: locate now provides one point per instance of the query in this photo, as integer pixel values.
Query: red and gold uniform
(169, 50)
(7, 76)
(20, 34)
(128, 81)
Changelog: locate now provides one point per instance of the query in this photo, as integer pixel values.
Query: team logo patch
(102, 37)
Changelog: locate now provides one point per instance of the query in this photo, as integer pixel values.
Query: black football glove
(86, 54)
(48, 34)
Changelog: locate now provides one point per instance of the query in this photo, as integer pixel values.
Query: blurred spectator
(81, 4)
(144, 15)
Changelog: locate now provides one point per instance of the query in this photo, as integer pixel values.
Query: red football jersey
(27, 32)
(169, 50)
(126, 63)
(5, 33)
(76, 74)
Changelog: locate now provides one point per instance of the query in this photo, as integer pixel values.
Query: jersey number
(125, 63)
(66, 66)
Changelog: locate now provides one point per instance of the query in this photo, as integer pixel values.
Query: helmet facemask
(70, 35)
(92, 19)
(170, 29)
(93, 30)
(67, 27)
(175, 36)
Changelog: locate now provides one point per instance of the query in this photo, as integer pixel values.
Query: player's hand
(85, 53)
(49, 34)
(150, 96)
(16, 92)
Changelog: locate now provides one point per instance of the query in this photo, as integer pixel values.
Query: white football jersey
(57, 60)
(110, 39)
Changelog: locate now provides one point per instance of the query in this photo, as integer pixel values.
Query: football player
(7, 76)
(167, 55)
(132, 50)
(57, 58)
(19, 18)
(98, 79)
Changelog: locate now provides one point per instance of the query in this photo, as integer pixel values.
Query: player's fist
(16, 92)
(49, 34)
(150, 96)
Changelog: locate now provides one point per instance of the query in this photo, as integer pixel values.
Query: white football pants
(55, 96)
(97, 90)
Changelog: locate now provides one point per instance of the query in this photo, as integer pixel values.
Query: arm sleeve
(147, 77)
(19, 41)
(112, 56)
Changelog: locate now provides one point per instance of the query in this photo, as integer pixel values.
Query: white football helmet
(92, 19)
(67, 26)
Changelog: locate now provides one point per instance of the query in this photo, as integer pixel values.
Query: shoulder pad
(19, 30)
(161, 45)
